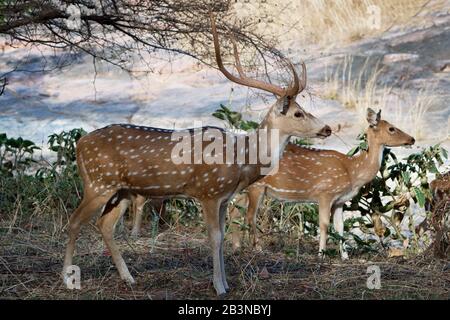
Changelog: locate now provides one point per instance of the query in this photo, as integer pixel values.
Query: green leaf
(13, 143)
(420, 196)
(406, 176)
(235, 117)
(433, 168)
(337, 236)
(27, 143)
(364, 145)
(219, 115)
(444, 153)
(3, 138)
(224, 108)
(302, 142)
(353, 151)
(253, 124)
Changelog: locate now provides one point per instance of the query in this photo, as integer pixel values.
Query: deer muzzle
(324, 132)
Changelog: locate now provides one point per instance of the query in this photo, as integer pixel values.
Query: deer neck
(365, 166)
(283, 138)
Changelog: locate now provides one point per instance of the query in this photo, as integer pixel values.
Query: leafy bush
(390, 193)
(16, 155)
(30, 188)
(64, 144)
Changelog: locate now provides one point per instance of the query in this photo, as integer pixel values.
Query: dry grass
(420, 105)
(359, 90)
(331, 22)
(177, 265)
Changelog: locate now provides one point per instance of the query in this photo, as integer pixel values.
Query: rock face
(396, 57)
(410, 67)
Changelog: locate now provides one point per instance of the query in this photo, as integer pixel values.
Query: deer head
(386, 134)
(286, 114)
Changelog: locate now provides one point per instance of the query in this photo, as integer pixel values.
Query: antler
(304, 78)
(249, 82)
(294, 90)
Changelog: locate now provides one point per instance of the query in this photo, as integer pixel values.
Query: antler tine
(293, 90)
(304, 78)
(243, 80)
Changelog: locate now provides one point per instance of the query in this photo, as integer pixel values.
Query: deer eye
(299, 114)
(391, 129)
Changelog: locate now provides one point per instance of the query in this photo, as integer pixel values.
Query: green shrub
(408, 180)
(30, 188)
(16, 155)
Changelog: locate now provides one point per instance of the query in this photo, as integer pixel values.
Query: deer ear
(286, 104)
(373, 118)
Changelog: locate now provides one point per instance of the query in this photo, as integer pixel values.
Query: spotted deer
(327, 177)
(122, 160)
(440, 190)
(440, 187)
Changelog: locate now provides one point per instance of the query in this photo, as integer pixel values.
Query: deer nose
(326, 131)
(412, 141)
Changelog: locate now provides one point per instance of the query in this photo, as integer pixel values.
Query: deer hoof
(222, 295)
(221, 291)
(129, 280)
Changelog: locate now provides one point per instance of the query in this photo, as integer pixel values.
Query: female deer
(327, 177)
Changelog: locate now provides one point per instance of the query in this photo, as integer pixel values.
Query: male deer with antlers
(119, 161)
(327, 177)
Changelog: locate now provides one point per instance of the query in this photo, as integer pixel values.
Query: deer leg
(120, 226)
(106, 225)
(222, 219)
(239, 200)
(338, 222)
(255, 196)
(324, 222)
(235, 232)
(138, 211)
(85, 211)
(212, 216)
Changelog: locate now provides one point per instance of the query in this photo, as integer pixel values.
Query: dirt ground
(177, 265)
